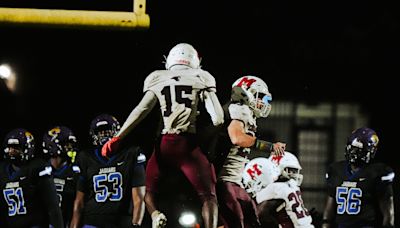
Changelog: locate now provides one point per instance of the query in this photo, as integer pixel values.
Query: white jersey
(179, 92)
(236, 160)
(294, 207)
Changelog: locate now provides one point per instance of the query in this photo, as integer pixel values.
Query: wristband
(260, 144)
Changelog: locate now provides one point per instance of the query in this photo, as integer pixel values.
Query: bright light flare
(187, 219)
(8, 75)
(5, 71)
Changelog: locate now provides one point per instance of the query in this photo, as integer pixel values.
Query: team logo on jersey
(246, 82)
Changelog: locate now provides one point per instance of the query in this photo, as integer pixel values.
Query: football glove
(110, 146)
(159, 219)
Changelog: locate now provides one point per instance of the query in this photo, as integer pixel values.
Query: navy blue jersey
(108, 183)
(65, 182)
(357, 194)
(27, 193)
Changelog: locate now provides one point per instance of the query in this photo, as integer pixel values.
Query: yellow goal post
(138, 19)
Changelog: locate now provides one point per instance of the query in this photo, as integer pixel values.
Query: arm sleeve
(329, 176)
(147, 103)
(214, 108)
(50, 199)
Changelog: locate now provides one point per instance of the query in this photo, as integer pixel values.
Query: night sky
(309, 51)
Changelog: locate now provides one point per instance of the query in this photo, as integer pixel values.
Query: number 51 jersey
(356, 194)
(22, 193)
(108, 183)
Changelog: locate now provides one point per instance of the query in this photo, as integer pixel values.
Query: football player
(250, 99)
(60, 145)
(28, 189)
(108, 188)
(280, 202)
(178, 90)
(360, 190)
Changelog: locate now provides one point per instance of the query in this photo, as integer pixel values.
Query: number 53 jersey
(356, 194)
(108, 183)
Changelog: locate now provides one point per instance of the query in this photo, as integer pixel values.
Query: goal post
(138, 19)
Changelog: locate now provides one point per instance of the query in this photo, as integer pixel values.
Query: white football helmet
(182, 54)
(289, 166)
(258, 174)
(252, 91)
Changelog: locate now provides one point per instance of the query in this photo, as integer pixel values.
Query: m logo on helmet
(246, 81)
(277, 159)
(254, 171)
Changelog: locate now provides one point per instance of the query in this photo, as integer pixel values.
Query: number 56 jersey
(356, 194)
(108, 183)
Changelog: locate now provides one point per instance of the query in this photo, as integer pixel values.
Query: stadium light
(8, 75)
(5, 71)
(187, 219)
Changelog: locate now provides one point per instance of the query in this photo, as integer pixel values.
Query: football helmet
(361, 146)
(259, 173)
(60, 141)
(252, 91)
(102, 128)
(289, 166)
(182, 54)
(19, 146)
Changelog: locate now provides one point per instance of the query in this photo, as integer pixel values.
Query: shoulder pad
(151, 80)
(76, 169)
(46, 171)
(240, 112)
(209, 80)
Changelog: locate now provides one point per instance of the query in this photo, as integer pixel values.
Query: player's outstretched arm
(77, 211)
(214, 108)
(138, 114)
(329, 212)
(238, 135)
(386, 206)
(144, 107)
(138, 204)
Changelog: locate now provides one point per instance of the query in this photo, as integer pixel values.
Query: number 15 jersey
(179, 92)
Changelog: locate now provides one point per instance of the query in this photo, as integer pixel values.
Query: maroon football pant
(182, 152)
(237, 209)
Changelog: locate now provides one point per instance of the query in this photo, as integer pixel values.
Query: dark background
(314, 51)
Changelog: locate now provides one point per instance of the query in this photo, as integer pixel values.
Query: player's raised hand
(110, 146)
(278, 148)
